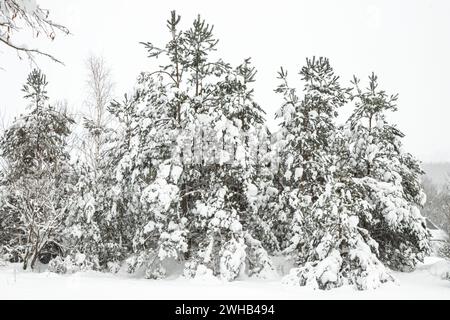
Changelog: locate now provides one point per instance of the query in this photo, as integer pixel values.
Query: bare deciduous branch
(16, 15)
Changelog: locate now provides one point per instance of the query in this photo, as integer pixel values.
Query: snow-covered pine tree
(307, 126)
(36, 183)
(324, 238)
(227, 122)
(388, 179)
(150, 175)
(243, 154)
(188, 159)
(306, 143)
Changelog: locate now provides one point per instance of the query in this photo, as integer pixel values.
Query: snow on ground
(424, 283)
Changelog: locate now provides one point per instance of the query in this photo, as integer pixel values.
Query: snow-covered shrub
(323, 273)
(444, 250)
(146, 263)
(70, 264)
(134, 262)
(113, 267)
(232, 259)
(58, 265)
(441, 269)
(258, 261)
(157, 272)
(193, 270)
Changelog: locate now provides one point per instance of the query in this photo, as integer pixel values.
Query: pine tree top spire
(173, 22)
(35, 89)
(373, 101)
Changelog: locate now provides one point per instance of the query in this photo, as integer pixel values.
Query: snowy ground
(424, 283)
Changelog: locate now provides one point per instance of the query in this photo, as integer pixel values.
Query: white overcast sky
(407, 43)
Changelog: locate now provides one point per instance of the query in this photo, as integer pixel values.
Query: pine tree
(329, 248)
(189, 158)
(37, 177)
(390, 178)
(307, 130)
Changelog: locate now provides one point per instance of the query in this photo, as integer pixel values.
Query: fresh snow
(424, 283)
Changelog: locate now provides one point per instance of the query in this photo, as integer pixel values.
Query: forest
(184, 170)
